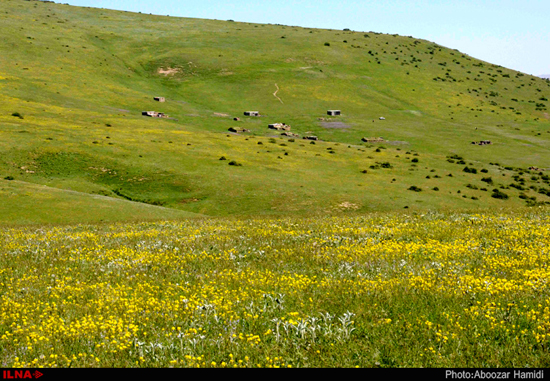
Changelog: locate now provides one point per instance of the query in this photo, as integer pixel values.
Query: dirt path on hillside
(275, 93)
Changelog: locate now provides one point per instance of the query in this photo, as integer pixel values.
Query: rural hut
(154, 114)
(160, 99)
(279, 126)
(333, 112)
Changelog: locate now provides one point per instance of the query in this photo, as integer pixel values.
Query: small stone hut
(154, 114)
(291, 134)
(373, 140)
(279, 126)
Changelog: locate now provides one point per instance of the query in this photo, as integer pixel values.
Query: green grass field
(74, 81)
(133, 241)
(378, 290)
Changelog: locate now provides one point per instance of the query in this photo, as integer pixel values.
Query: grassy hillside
(74, 82)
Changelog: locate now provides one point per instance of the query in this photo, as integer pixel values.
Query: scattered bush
(233, 162)
(535, 203)
(500, 195)
(469, 170)
(414, 188)
(9, 178)
(18, 115)
(456, 157)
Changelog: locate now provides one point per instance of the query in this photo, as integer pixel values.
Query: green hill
(74, 82)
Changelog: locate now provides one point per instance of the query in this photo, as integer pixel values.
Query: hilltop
(75, 81)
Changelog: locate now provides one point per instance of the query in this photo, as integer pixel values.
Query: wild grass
(376, 290)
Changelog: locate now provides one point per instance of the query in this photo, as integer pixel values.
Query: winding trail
(275, 93)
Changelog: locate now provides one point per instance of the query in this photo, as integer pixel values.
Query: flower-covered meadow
(380, 290)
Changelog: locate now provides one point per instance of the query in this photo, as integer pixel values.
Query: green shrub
(500, 195)
(414, 188)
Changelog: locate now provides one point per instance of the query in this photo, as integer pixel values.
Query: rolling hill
(75, 81)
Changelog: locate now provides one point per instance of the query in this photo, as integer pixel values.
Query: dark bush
(414, 188)
(500, 195)
(456, 157)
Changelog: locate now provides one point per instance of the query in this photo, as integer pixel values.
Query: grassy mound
(75, 81)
